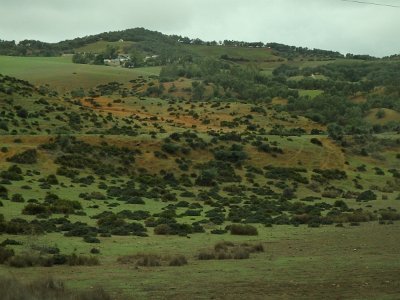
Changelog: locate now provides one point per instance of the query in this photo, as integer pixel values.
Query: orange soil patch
(182, 120)
(28, 142)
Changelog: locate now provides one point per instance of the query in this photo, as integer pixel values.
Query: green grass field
(101, 46)
(63, 75)
(302, 263)
(252, 54)
(310, 93)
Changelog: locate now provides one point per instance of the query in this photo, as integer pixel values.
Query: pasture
(63, 75)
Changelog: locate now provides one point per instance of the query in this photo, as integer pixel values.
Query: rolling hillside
(259, 171)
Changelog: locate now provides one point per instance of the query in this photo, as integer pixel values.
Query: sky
(338, 25)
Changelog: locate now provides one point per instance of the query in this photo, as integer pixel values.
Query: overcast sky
(327, 24)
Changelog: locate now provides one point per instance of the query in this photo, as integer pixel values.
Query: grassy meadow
(63, 75)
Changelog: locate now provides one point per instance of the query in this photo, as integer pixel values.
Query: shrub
(218, 231)
(17, 198)
(24, 260)
(82, 260)
(46, 249)
(95, 251)
(222, 255)
(390, 215)
(162, 229)
(60, 259)
(238, 229)
(141, 259)
(148, 260)
(341, 204)
(206, 255)
(240, 253)
(367, 196)
(223, 246)
(282, 173)
(9, 242)
(178, 260)
(35, 209)
(5, 254)
(26, 157)
(255, 248)
(170, 148)
(91, 240)
(316, 141)
(3, 192)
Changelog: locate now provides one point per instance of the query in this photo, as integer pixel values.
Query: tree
(136, 59)
(198, 90)
(111, 52)
(335, 131)
(380, 114)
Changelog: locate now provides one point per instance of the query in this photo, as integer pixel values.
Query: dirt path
(292, 161)
(332, 157)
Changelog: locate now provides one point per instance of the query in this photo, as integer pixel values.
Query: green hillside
(63, 75)
(221, 172)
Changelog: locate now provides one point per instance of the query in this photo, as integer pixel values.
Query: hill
(259, 170)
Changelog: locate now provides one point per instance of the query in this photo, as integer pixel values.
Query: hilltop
(148, 41)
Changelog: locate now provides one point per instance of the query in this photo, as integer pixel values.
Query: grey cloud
(327, 24)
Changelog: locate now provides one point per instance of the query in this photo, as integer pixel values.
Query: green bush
(35, 209)
(206, 255)
(389, 215)
(240, 253)
(26, 157)
(238, 229)
(24, 260)
(367, 196)
(17, 198)
(91, 239)
(82, 260)
(5, 254)
(177, 261)
(3, 192)
(162, 229)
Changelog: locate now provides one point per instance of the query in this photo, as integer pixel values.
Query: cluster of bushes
(173, 229)
(21, 226)
(282, 173)
(267, 148)
(13, 173)
(229, 250)
(80, 155)
(153, 260)
(214, 172)
(116, 225)
(27, 157)
(52, 204)
(234, 154)
(331, 174)
(34, 259)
